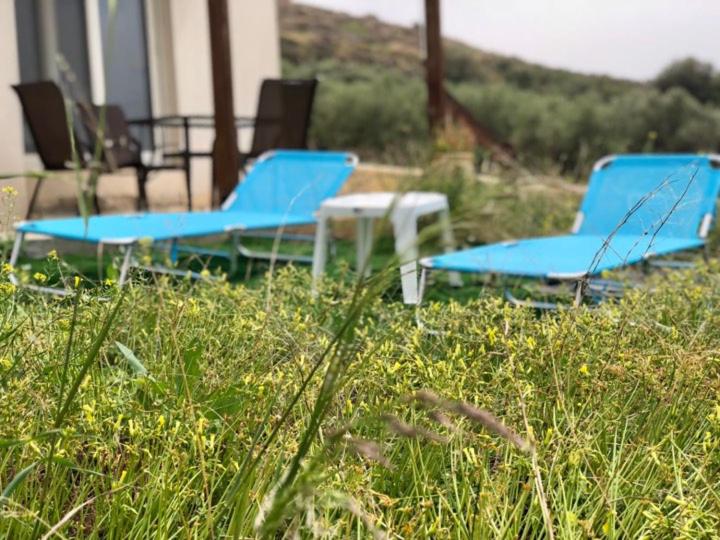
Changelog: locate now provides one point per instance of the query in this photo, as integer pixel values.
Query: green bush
(698, 78)
(381, 117)
(509, 209)
(549, 130)
(381, 114)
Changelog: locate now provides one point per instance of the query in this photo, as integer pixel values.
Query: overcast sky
(626, 38)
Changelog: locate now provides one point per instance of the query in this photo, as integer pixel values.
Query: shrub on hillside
(696, 77)
(573, 133)
(381, 117)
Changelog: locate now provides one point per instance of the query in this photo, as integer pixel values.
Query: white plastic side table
(405, 210)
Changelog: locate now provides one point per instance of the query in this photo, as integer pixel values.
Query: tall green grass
(202, 410)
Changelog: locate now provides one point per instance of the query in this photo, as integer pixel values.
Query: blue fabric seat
(636, 207)
(131, 228)
(284, 187)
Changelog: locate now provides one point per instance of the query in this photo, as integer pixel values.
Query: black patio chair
(44, 109)
(283, 117)
(121, 149)
(46, 114)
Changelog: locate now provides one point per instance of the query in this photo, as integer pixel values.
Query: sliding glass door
(127, 77)
(68, 41)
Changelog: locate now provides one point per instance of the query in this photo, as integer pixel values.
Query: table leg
(364, 245)
(405, 229)
(186, 161)
(319, 250)
(448, 242)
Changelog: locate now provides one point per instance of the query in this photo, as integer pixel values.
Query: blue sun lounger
(284, 188)
(636, 207)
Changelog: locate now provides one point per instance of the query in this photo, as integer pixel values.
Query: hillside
(372, 97)
(339, 44)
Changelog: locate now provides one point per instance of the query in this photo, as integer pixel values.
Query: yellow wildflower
(7, 288)
(39, 277)
(491, 335)
(193, 308)
(120, 481)
(548, 435)
(584, 370)
(89, 410)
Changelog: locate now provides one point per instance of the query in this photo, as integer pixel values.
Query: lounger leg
(125, 268)
(421, 293)
(319, 251)
(234, 250)
(174, 251)
(99, 255)
(579, 292)
(423, 283)
(14, 257)
(448, 241)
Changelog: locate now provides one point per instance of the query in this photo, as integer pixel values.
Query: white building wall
(182, 54)
(181, 83)
(11, 141)
(255, 42)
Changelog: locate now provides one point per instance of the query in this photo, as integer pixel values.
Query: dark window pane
(127, 77)
(72, 45)
(26, 24)
(38, 60)
(27, 30)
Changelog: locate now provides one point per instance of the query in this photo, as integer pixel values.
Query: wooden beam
(225, 149)
(434, 65)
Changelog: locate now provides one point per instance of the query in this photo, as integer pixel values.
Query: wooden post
(225, 149)
(434, 65)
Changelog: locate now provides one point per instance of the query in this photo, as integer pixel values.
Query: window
(54, 42)
(127, 79)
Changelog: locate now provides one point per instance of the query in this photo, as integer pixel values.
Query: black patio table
(187, 122)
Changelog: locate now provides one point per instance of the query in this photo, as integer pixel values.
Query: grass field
(214, 409)
(206, 409)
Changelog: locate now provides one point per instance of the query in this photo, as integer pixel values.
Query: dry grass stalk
(370, 450)
(474, 414)
(404, 429)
